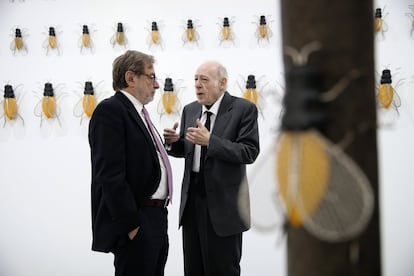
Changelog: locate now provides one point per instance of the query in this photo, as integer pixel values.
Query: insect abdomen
(168, 101)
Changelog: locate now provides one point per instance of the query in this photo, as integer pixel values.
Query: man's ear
(129, 78)
(222, 83)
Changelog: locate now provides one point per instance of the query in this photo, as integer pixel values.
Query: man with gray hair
(218, 137)
(131, 179)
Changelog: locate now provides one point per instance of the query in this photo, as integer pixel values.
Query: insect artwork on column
(316, 185)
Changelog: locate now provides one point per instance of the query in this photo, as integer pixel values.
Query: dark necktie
(161, 150)
(203, 152)
(204, 148)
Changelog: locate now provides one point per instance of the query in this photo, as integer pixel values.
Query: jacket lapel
(223, 115)
(135, 116)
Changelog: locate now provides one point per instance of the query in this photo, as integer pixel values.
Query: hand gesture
(170, 136)
(198, 135)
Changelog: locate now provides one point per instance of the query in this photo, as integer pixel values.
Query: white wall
(45, 171)
(394, 51)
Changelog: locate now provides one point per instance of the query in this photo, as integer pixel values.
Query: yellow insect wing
(155, 37)
(303, 173)
(385, 95)
(378, 24)
(120, 37)
(18, 41)
(169, 100)
(251, 95)
(86, 40)
(89, 104)
(10, 108)
(190, 34)
(263, 31)
(226, 32)
(49, 106)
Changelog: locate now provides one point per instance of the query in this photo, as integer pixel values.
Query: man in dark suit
(214, 189)
(129, 176)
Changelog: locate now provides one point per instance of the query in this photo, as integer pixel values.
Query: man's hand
(133, 233)
(198, 135)
(170, 136)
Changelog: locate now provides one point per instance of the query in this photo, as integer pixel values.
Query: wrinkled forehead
(207, 70)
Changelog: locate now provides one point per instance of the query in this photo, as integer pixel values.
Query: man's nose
(156, 85)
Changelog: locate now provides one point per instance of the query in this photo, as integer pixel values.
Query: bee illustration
(318, 186)
(119, 37)
(387, 96)
(226, 34)
(18, 44)
(47, 108)
(253, 92)
(190, 35)
(380, 24)
(85, 41)
(263, 32)
(154, 35)
(321, 187)
(170, 104)
(10, 105)
(52, 42)
(87, 103)
(388, 100)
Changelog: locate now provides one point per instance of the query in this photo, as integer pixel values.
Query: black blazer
(234, 142)
(125, 170)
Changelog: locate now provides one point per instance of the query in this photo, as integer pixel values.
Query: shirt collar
(214, 108)
(137, 104)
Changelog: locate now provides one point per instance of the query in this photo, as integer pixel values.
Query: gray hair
(221, 74)
(129, 61)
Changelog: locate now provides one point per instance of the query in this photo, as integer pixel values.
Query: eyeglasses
(152, 77)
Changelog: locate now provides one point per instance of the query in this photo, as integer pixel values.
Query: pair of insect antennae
(300, 58)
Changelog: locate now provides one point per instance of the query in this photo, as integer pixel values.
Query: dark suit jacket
(234, 142)
(125, 170)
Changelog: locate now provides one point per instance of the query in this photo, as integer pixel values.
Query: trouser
(206, 253)
(147, 253)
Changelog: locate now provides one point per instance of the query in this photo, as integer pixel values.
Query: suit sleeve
(240, 141)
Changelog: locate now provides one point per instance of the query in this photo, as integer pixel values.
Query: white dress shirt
(162, 190)
(197, 149)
